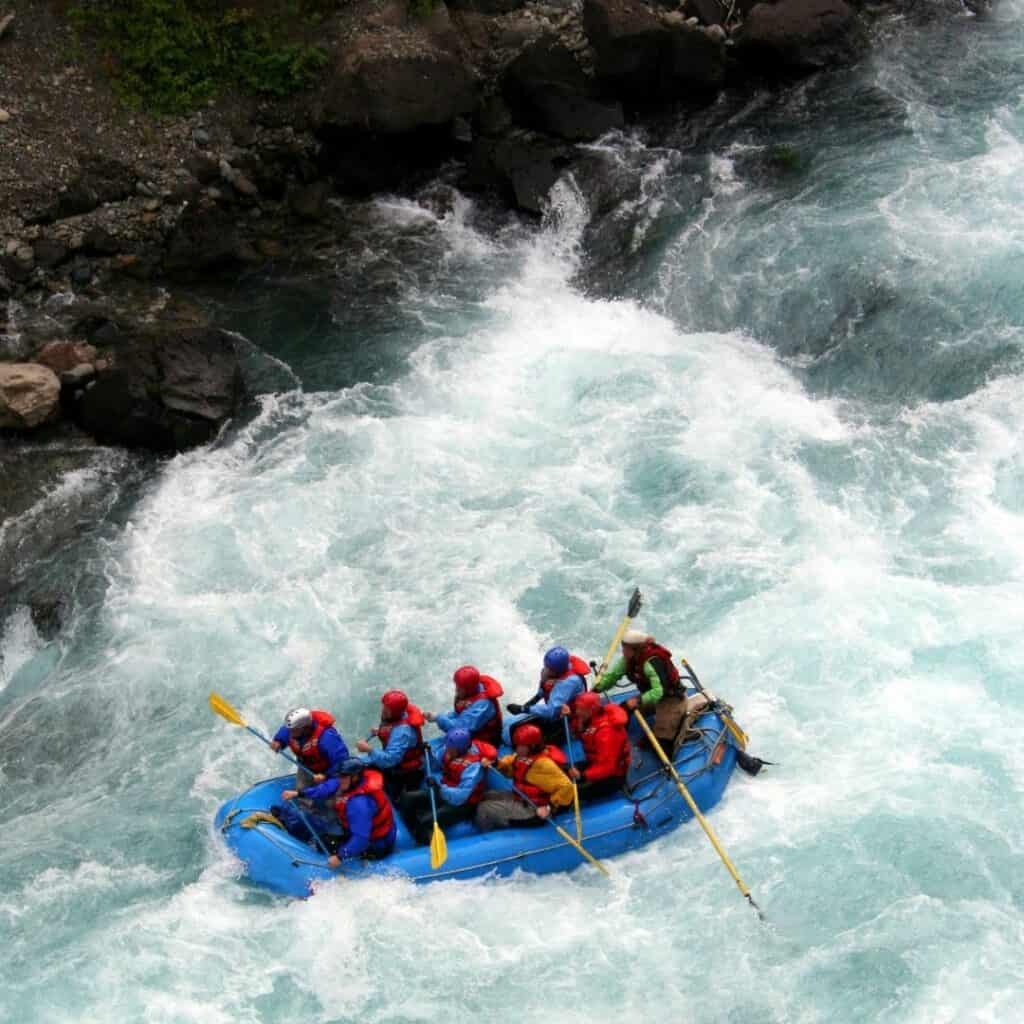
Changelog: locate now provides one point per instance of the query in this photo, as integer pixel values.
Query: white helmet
(298, 718)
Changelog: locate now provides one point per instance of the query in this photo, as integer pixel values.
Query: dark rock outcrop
(100, 180)
(648, 60)
(205, 239)
(395, 93)
(527, 165)
(795, 36)
(547, 90)
(167, 390)
(628, 41)
(693, 62)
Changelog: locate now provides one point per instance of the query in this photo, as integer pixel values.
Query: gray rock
(800, 35)
(100, 180)
(205, 238)
(396, 94)
(49, 252)
(168, 391)
(629, 42)
(310, 201)
(546, 90)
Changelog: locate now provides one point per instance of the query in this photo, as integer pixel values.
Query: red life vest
(490, 690)
(635, 670)
(452, 767)
(413, 758)
(523, 765)
(605, 744)
(308, 751)
(371, 784)
(577, 667)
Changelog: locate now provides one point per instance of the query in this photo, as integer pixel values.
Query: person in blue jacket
(318, 747)
(401, 737)
(457, 792)
(560, 682)
(365, 825)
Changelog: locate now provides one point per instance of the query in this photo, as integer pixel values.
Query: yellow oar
(631, 612)
(221, 707)
(656, 746)
(568, 838)
(438, 843)
(575, 788)
(738, 734)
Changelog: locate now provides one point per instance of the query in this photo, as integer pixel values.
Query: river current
(795, 425)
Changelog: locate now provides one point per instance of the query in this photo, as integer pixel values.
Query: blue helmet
(352, 766)
(556, 661)
(458, 740)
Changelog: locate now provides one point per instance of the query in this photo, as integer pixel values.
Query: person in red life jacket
(562, 678)
(316, 744)
(461, 786)
(476, 708)
(535, 771)
(648, 666)
(365, 817)
(602, 728)
(401, 736)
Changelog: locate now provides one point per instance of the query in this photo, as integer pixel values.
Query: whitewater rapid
(830, 531)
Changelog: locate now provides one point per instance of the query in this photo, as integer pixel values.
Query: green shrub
(170, 55)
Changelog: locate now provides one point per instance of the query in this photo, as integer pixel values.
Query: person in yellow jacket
(535, 772)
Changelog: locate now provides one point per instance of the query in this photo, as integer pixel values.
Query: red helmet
(588, 701)
(395, 702)
(528, 735)
(466, 679)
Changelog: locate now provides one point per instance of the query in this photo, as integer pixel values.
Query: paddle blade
(634, 604)
(438, 848)
(225, 710)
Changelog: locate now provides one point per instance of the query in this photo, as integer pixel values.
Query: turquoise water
(799, 436)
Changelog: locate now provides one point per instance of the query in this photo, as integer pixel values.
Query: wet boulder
(629, 43)
(205, 238)
(523, 164)
(798, 36)
(167, 390)
(546, 90)
(693, 62)
(400, 80)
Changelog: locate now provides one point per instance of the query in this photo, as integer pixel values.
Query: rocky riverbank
(105, 212)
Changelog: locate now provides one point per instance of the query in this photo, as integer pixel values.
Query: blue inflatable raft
(648, 808)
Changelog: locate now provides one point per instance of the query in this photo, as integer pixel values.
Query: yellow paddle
(631, 612)
(585, 854)
(730, 723)
(221, 707)
(656, 746)
(438, 843)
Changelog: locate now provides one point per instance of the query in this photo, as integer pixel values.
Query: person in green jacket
(649, 667)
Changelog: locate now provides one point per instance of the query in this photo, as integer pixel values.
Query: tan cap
(634, 636)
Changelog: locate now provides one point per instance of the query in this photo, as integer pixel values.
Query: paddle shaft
(430, 789)
(561, 831)
(737, 733)
(708, 830)
(575, 788)
(634, 606)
